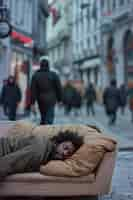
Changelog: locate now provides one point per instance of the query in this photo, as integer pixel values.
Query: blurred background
(88, 42)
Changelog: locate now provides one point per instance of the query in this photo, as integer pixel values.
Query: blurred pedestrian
(90, 97)
(123, 92)
(12, 97)
(111, 101)
(46, 90)
(131, 103)
(2, 97)
(68, 91)
(76, 102)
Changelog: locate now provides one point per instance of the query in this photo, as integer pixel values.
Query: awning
(92, 63)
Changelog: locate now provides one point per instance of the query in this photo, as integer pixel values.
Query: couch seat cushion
(37, 177)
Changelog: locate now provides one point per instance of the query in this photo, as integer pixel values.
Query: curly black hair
(76, 140)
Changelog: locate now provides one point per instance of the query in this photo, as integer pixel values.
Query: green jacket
(24, 154)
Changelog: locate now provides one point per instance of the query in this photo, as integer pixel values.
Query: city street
(122, 182)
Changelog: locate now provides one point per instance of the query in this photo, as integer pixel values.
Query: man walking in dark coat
(11, 97)
(111, 101)
(46, 90)
(123, 92)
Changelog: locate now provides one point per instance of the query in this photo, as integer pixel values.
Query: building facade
(117, 38)
(86, 40)
(4, 54)
(28, 20)
(59, 38)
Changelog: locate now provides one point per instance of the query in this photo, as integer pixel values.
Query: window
(108, 5)
(102, 4)
(95, 40)
(121, 2)
(88, 42)
(114, 4)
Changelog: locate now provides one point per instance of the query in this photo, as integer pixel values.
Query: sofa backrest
(5, 127)
(90, 134)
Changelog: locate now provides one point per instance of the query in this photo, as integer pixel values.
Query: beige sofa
(37, 185)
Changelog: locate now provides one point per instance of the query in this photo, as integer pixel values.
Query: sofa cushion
(55, 129)
(83, 162)
(37, 177)
(91, 135)
(21, 128)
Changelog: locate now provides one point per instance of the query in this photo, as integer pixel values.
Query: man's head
(66, 144)
(44, 62)
(113, 83)
(11, 79)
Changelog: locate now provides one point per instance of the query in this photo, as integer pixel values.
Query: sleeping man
(19, 154)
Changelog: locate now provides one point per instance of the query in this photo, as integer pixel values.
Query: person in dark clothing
(46, 90)
(11, 97)
(76, 101)
(2, 98)
(130, 97)
(123, 92)
(67, 97)
(111, 101)
(26, 153)
(90, 96)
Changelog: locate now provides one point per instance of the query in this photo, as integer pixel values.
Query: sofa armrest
(105, 172)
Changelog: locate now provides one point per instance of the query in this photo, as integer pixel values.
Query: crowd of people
(113, 99)
(46, 90)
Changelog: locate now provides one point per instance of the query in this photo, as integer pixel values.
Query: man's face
(64, 150)
(44, 63)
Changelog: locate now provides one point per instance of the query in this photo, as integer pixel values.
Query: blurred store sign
(21, 38)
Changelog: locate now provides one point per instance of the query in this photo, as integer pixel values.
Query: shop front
(3, 62)
(20, 68)
(21, 59)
